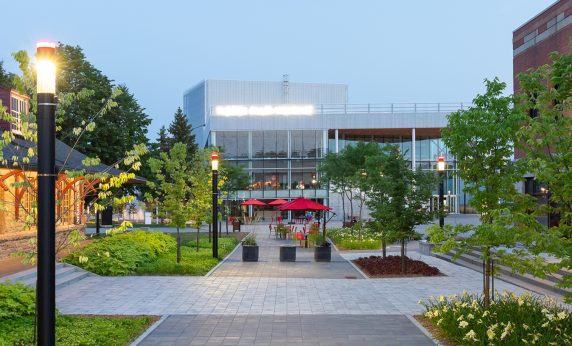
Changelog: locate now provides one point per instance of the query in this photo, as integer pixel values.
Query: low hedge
(122, 254)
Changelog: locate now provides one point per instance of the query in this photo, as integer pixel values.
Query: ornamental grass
(510, 320)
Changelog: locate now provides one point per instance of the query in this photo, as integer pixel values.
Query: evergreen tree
(180, 131)
(6, 78)
(163, 143)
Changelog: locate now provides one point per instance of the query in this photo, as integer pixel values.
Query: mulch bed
(390, 266)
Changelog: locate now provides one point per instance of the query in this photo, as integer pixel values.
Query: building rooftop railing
(362, 108)
(367, 108)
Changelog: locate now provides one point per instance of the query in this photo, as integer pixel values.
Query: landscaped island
(150, 253)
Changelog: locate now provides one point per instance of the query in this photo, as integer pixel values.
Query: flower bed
(354, 238)
(510, 320)
(390, 266)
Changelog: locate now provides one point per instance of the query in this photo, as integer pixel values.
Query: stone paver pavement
(258, 295)
(269, 264)
(308, 330)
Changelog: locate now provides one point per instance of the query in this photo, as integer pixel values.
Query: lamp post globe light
(46, 99)
(441, 171)
(214, 167)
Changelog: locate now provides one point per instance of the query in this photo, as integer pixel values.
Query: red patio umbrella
(278, 202)
(303, 204)
(253, 202)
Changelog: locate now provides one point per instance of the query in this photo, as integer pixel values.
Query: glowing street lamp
(214, 166)
(46, 98)
(441, 171)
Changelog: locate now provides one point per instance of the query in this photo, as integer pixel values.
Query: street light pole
(441, 170)
(46, 99)
(214, 162)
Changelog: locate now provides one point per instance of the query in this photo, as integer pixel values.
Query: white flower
(471, 335)
(460, 318)
(463, 324)
(506, 330)
(491, 334)
(441, 298)
(524, 326)
(486, 313)
(470, 316)
(562, 315)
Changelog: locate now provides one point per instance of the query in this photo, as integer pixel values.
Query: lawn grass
(78, 330)
(193, 262)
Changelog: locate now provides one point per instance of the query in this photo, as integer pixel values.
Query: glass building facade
(281, 164)
(285, 163)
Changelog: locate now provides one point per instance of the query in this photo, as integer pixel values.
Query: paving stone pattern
(287, 330)
(269, 264)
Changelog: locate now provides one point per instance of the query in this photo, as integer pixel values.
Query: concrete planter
(288, 253)
(426, 248)
(250, 253)
(323, 253)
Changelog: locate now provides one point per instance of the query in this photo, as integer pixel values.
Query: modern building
(547, 32)
(280, 131)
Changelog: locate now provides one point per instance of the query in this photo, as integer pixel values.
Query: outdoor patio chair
(300, 236)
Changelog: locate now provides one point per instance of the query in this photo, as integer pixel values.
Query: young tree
(398, 197)
(171, 172)
(90, 184)
(481, 139)
(546, 141)
(335, 172)
(180, 131)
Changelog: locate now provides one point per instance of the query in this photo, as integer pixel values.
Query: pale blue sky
(386, 51)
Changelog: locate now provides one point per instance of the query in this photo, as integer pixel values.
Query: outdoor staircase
(543, 286)
(66, 274)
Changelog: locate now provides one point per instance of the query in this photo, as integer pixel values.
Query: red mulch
(390, 266)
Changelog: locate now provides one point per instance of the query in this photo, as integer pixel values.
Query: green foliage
(16, 300)
(510, 320)
(481, 138)
(180, 131)
(6, 78)
(398, 196)
(192, 262)
(362, 238)
(344, 172)
(546, 140)
(77, 330)
(173, 185)
(112, 111)
(122, 254)
(250, 240)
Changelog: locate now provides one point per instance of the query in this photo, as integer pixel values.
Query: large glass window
(257, 144)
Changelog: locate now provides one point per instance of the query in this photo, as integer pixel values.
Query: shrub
(510, 320)
(122, 254)
(355, 238)
(16, 300)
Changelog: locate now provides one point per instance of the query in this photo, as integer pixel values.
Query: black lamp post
(46, 290)
(441, 170)
(214, 162)
(546, 193)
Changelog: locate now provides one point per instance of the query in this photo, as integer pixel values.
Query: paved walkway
(274, 303)
(343, 330)
(269, 264)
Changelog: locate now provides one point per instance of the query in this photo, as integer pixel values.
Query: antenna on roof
(285, 87)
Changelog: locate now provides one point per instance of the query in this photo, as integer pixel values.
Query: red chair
(301, 237)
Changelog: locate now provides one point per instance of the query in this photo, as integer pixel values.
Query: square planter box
(288, 253)
(426, 248)
(323, 253)
(250, 253)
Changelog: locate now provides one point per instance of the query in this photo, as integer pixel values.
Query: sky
(385, 51)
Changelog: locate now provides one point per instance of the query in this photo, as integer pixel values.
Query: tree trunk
(403, 256)
(210, 232)
(178, 246)
(198, 236)
(384, 246)
(343, 195)
(487, 278)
